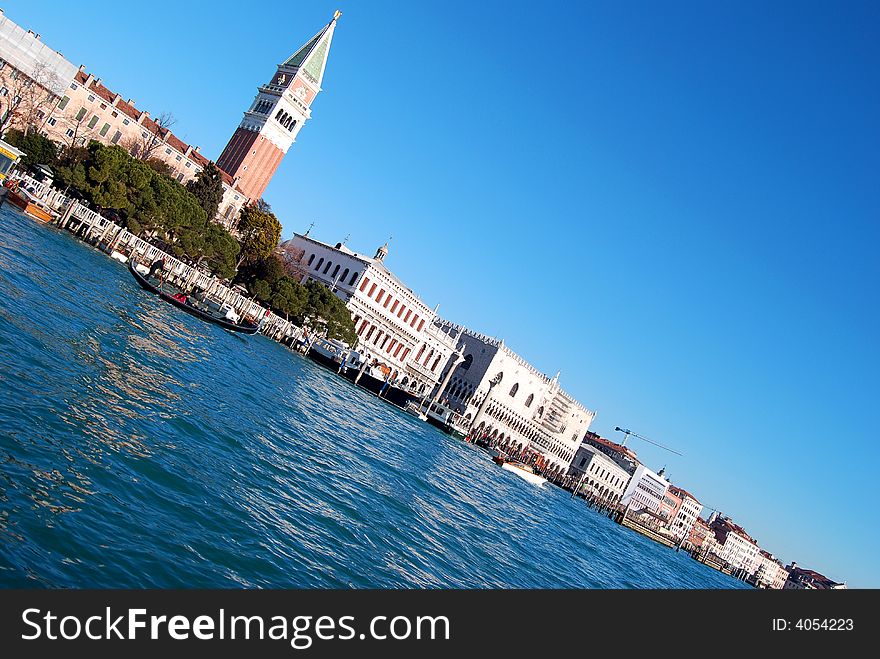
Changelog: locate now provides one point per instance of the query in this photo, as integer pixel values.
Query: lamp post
(494, 382)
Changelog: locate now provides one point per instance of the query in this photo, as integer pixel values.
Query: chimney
(116, 99)
(143, 115)
(82, 67)
(130, 102)
(188, 151)
(196, 149)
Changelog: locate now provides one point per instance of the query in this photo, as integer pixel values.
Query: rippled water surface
(140, 447)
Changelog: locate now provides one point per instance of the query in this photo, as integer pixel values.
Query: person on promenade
(157, 266)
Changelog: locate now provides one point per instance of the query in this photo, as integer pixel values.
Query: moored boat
(524, 471)
(448, 420)
(215, 313)
(28, 203)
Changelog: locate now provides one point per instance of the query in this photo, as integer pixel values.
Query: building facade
(598, 475)
(276, 115)
(393, 325)
(802, 579)
(33, 77)
(526, 410)
(685, 514)
(698, 534)
(645, 491)
(769, 572)
(735, 546)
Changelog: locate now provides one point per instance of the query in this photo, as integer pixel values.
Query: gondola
(207, 314)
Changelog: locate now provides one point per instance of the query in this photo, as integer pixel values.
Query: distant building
(598, 474)
(685, 514)
(645, 491)
(802, 579)
(393, 325)
(527, 409)
(669, 506)
(769, 572)
(276, 115)
(622, 455)
(736, 547)
(699, 532)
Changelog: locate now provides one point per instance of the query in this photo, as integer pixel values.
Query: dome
(381, 253)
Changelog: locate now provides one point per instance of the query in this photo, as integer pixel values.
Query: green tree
(259, 233)
(325, 309)
(38, 149)
(207, 187)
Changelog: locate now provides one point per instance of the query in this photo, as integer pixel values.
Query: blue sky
(676, 204)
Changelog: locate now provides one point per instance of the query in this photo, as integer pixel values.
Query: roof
(312, 57)
(681, 492)
(619, 448)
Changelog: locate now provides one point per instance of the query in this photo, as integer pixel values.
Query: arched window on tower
(278, 116)
(292, 126)
(320, 263)
(311, 259)
(336, 271)
(344, 276)
(529, 400)
(514, 389)
(353, 279)
(327, 267)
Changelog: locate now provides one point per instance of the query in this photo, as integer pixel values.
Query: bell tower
(276, 115)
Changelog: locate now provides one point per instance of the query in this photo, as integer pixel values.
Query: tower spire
(277, 114)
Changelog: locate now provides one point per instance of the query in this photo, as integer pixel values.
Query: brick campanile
(277, 114)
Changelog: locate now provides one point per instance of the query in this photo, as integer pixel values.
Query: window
(103, 106)
(335, 271)
(63, 102)
(125, 122)
(514, 389)
(73, 85)
(80, 114)
(2, 62)
(311, 259)
(327, 267)
(114, 114)
(344, 275)
(401, 310)
(3, 91)
(188, 164)
(69, 132)
(178, 158)
(529, 400)
(93, 121)
(180, 177)
(116, 137)
(364, 283)
(421, 324)
(379, 296)
(406, 318)
(52, 121)
(414, 320)
(372, 290)
(353, 278)
(387, 300)
(104, 129)
(91, 98)
(168, 151)
(320, 263)
(394, 306)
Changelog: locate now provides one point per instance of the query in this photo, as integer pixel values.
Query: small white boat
(524, 471)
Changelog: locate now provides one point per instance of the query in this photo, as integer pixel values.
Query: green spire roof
(312, 57)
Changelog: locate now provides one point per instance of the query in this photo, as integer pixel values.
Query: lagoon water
(141, 447)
